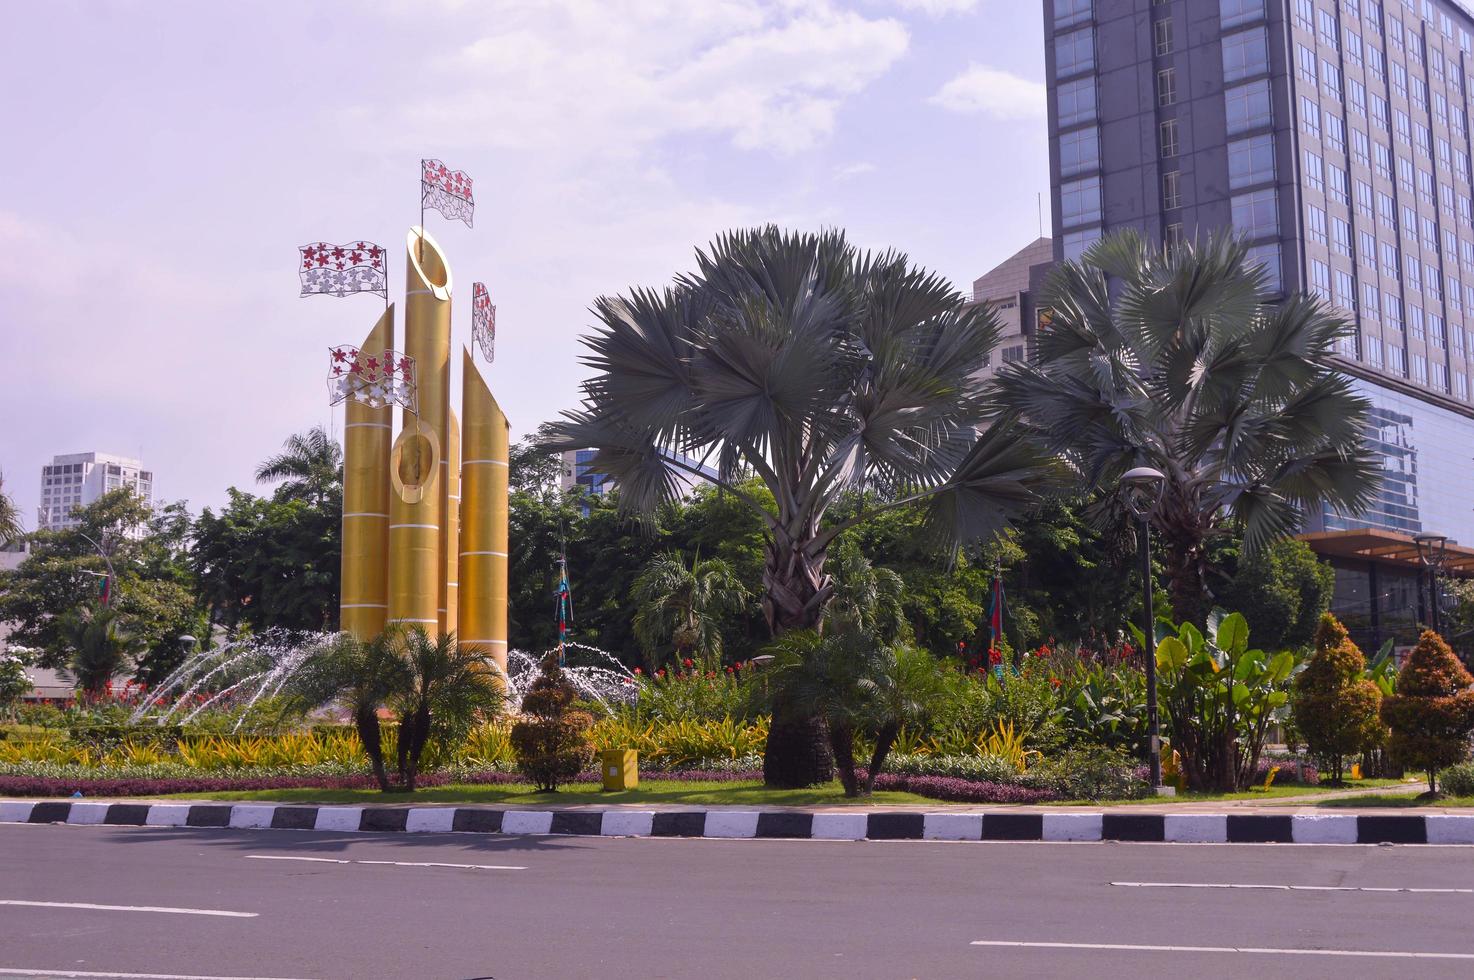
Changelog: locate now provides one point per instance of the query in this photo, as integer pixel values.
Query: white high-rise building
(77, 479)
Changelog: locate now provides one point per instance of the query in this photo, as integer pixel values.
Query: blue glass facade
(1427, 455)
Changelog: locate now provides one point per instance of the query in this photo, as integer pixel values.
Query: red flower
(729, 670)
(686, 662)
(638, 671)
(660, 672)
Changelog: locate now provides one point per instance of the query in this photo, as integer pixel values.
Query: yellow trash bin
(621, 768)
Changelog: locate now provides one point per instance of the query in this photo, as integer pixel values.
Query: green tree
(15, 683)
(152, 591)
(270, 563)
(1284, 590)
(309, 467)
(817, 369)
(682, 606)
(10, 526)
(1432, 712)
(1179, 360)
(445, 689)
(101, 647)
(360, 676)
(1336, 708)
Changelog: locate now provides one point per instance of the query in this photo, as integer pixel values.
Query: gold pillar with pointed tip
(367, 432)
(450, 524)
(416, 563)
(486, 439)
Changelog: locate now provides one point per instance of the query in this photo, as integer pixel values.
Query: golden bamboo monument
(424, 529)
(484, 519)
(366, 436)
(450, 524)
(416, 565)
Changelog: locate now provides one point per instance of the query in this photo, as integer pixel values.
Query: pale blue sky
(162, 162)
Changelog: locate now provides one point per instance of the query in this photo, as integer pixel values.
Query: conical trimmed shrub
(1336, 707)
(1432, 713)
(551, 739)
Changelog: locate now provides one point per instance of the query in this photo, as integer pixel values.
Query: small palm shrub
(1336, 709)
(551, 739)
(1432, 712)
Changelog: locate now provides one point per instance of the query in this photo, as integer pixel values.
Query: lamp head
(1142, 487)
(1431, 549)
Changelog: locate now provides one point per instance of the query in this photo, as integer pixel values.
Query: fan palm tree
(822, 371)
(310, 467)
(360, 675)
(683, 606)
(447, 689)
(10, 527)
(1178, 360)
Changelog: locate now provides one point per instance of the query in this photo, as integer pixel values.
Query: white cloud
(939, 8)
(853, 170)
(612, 77)
(994, 93)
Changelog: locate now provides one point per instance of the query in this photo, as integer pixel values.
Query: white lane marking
(17, 972)
(1291, 888)
(128, 908)
(1265, 950)
(397, 864)
(442, 864)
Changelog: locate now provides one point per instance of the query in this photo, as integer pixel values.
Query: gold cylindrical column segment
(486, 446)
(364, 585)
(450, 507)
(416, 562)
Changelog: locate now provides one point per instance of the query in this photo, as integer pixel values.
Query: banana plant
(1219, 696)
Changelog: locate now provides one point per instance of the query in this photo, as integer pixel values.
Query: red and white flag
(483, 320)
(341, 270)
(447, 191)
(376, 378)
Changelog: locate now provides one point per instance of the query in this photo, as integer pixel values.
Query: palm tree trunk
(842, 741)
(884, 739)
(366, 720)
(798, 752)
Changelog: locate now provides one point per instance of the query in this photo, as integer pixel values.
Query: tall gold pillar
(364, 588)
(450, 469)
(486, 441)
(416, 564)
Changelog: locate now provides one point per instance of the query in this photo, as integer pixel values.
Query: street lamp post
(1431, 553)
(1142, 489)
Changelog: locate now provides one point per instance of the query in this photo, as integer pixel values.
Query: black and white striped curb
(1203, 828)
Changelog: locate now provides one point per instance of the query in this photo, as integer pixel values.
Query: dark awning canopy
(1387, 547)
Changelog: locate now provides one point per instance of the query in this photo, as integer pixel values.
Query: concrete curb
(1108, 825)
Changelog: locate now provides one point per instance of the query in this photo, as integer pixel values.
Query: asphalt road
(590, 907)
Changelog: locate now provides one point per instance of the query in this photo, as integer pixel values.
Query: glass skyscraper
(1333, 135)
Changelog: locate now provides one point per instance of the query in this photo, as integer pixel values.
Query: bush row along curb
(1181, 828)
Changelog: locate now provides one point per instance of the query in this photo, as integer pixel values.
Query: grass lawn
(522, 794)
(1397, 799)
(1254, 793)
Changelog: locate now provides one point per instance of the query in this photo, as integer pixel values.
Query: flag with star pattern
(373, 378)
(342, 270)
(483, 320)
(447, 191)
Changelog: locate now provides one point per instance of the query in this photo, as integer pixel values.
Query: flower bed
(935, 787)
